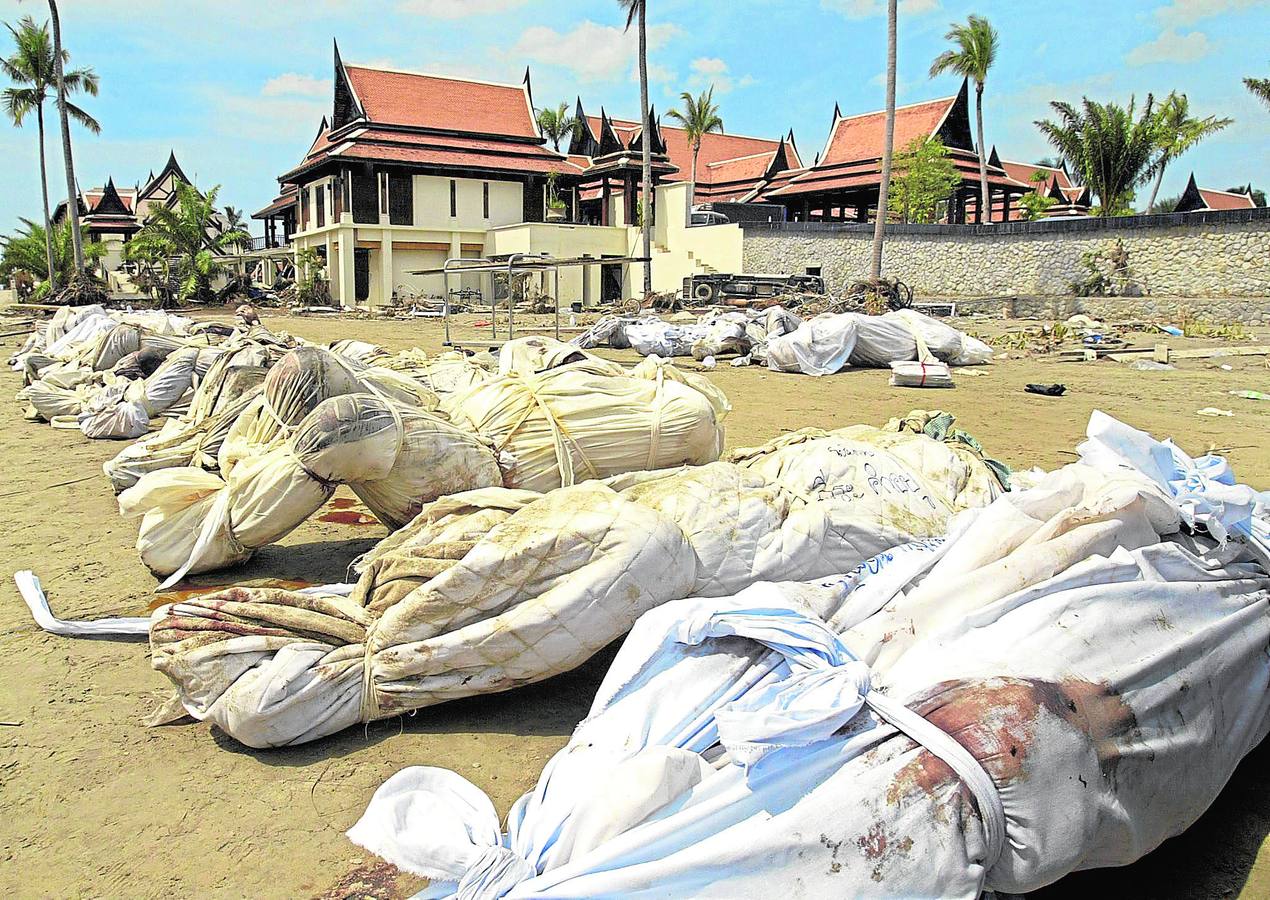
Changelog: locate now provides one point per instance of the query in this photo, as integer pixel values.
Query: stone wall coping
(1040, 226)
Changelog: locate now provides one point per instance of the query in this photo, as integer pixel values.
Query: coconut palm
(184, 245)
(31, 67)
(556, 124)
(1112, 150)
(33, 248)
(976, 43)
(1179, 132)
(888, 145)
(236, 220)
(1260, 87)
(63, 110)
(637, 14)
(699, 118)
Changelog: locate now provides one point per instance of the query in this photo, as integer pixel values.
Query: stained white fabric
(496, 588)
(1106, 670)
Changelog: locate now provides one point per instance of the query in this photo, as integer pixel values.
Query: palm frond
(83, 118)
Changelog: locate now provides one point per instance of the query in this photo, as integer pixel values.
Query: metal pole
(445, 309)
(556, 289)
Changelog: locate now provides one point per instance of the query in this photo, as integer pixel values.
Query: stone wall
(1215, 265)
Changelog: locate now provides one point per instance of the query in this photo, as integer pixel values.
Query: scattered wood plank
(1084, 354)
(1211, 352)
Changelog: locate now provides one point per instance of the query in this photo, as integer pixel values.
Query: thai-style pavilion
(843, 183)
(1198, 199)
(1054, 182)
(730, 167)
(112, 215)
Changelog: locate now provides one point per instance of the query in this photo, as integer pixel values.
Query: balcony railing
(265, 243)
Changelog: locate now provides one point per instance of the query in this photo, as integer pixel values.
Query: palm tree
(182, 242)
(556, 124)
(45, 254)
(699, 118)
(976, 43)
(235, 220)
(32, 66)
(1179, 132)
(72, 195)
(888, 146)
(1260, 87)
(637, 12)
(1112, 151)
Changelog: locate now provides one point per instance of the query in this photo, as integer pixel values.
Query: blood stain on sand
(347, 511)
(181, 594)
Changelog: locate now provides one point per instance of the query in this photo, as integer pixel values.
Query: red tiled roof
(865, 173)
(861, 137)
(283, 201)
(1226, 200)
(1023, 172)
(448, 104)
(715, 148)
(455, 141)
(93, 196)
(728, 171)
(423, 155)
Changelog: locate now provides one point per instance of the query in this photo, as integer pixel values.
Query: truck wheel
(705, 292)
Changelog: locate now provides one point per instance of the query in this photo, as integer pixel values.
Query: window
(454, 198)
(365, 198)
(320, 203)
(485, 200)
(401, 198)
(304, 209)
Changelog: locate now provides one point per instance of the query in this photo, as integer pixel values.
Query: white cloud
(1188, 12)
(657, 74)
(293, 84)
(710, 70)
(459, 9)
(862, 9)
(1171, 47)
(592, 52)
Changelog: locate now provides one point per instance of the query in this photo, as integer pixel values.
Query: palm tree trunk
(646, 162)
(692, 184)
(1156, 189)
(985, 204)
(72, 196)
(44, 192)
(879, 224)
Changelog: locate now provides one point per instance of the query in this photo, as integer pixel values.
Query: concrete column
(456, 252)
(386, 280)
(348, 295)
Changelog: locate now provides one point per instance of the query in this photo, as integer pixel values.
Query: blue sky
(237, 87)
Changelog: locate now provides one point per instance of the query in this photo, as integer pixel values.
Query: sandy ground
(96, 804)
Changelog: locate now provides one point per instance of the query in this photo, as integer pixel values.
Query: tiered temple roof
(430, 122)
(851, 159)
(114, 209)
(1196, 199)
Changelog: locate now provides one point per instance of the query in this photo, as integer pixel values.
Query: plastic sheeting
(232, 383)
(1105, 669)
(829, 343)
(492, 589)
